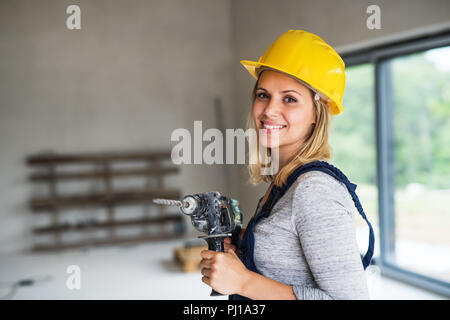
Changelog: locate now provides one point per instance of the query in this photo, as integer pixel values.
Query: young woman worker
(301, 243)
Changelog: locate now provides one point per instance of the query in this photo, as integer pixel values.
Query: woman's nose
(272, 109)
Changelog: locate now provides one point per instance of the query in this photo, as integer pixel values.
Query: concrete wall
(257, 23)
(135, 71)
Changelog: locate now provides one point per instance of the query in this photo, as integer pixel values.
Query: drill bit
(188, 205)
(168, 202)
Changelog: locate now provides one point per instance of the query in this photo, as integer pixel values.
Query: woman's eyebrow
(286, 91)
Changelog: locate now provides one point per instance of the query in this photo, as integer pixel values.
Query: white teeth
(272, 127)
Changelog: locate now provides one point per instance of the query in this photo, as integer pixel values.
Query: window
(421, 127)
(352, 138)
(408, 85)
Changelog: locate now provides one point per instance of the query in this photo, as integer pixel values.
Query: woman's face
(283, 109)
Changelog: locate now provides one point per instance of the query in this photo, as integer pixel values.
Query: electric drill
(213, 214)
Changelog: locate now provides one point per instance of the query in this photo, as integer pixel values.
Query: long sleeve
(324, 224)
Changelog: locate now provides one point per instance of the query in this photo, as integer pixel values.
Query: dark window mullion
(385, 158)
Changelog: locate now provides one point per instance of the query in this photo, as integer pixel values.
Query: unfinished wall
(135, 71)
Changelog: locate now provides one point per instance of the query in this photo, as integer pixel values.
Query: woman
(303, 243)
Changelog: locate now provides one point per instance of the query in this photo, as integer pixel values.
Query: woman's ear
(316, 114)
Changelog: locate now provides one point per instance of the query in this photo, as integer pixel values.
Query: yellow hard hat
(307, 57)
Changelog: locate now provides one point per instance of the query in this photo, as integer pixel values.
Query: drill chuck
(188, 205)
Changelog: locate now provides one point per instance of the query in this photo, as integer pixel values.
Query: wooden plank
(85, 226)
(53, 195)
(115, 173)
(107, 199)
(160, 186)
(46, 158)
(109, 193)
(95, 200)
(105, 242)
(189, 257)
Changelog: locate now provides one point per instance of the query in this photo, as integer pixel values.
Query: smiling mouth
(272, 128)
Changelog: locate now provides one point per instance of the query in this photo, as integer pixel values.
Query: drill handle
(215, 243)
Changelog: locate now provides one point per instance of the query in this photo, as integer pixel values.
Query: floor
(135, 272)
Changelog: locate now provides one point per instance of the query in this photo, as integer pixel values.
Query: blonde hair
(315, 147)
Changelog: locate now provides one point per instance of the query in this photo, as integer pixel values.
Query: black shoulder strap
(277, 192)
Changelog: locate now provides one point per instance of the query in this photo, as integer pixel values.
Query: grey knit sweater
(309, 241)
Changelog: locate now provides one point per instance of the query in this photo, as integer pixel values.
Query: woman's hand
(227, 242)
(223, 271)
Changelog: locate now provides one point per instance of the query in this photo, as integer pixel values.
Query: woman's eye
(262, 95)
(290, 100)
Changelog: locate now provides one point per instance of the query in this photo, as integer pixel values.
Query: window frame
(380, 57)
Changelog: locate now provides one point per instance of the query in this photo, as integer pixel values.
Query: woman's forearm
(258, 287)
